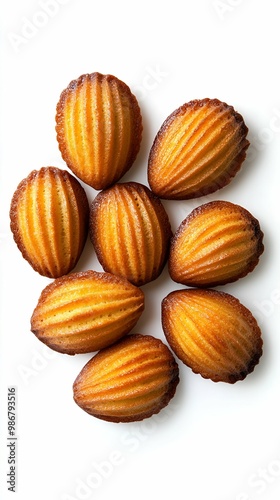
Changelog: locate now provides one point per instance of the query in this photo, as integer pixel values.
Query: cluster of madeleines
(199, 149)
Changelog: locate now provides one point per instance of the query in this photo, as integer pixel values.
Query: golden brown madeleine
(129, 381)
(49, 220)
(198, 150)
(130, 231)
(212, 333)
(86, 311)
(217, 243)
(99, 128)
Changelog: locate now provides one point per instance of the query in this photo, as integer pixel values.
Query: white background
(214, 441)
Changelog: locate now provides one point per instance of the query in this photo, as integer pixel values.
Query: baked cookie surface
(212, 333)
(199, 149)
(99, 128)
(130, 231)
(217, 243)
(49, 220)
(129, 381)
(86, 311)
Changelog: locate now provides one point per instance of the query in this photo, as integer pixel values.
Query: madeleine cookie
(217, 243)
(130, 231)
(129, 381)
(99, 128)
(212, 333)
(87, 311)
(49, 220)
(198, 150)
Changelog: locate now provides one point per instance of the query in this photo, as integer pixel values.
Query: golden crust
(49, 220)
(129, 381)
(212, 333)
(130, 231)
(199, 149)
(99, 128)
(86, 311)
(217, 243)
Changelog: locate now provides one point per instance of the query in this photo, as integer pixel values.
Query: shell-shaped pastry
(49, 220)
(129, 381)
(86, 311)
(199, 148)
(130, 231)
(99, 128)
(217, 243)
(212, 333)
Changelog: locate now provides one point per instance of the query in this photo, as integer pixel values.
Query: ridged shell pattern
(198, 149)
(129, 381)
(87, 311)
(99, 128)
(218, 243)
(212, 333)
(49, 220)
(130, 231)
